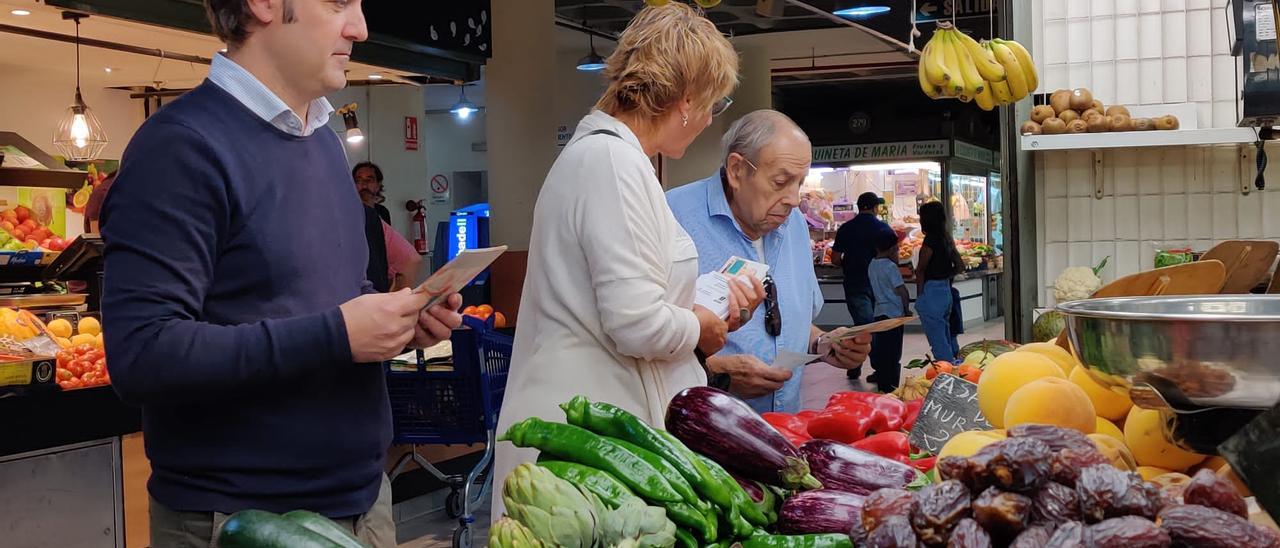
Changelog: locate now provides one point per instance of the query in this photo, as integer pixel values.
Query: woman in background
(939, 263)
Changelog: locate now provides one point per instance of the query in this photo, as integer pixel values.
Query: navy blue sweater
(229, 246)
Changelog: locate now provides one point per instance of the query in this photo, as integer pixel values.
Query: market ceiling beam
(103, 44)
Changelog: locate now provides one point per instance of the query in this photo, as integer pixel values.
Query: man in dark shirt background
(854, 249)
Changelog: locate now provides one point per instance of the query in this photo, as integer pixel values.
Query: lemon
(966, 444)
(82, 339)
(98, 342)
(89, 326)
(60, 328)
(81, 197)
(63, 342)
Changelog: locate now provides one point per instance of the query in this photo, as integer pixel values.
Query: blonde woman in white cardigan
(608, 304)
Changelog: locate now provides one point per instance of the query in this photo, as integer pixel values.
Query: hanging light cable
(79, 136)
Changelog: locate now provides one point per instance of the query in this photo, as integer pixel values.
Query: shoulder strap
(608, 132)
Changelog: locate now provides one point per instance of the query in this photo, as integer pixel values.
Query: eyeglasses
(721, 105)
(772, 314)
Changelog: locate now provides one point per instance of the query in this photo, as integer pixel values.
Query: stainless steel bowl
(1191, 353)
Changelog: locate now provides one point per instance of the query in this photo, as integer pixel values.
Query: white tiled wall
(1143, 52)
(1153, 198)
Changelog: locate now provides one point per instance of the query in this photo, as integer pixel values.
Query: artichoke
(509, 533)
(636, 525)
(555, 510)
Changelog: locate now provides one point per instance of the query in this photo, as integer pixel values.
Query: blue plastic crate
(458, 406)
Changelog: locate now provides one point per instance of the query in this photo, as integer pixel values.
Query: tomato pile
(82, 366)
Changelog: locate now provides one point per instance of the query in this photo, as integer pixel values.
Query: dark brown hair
(230, 18)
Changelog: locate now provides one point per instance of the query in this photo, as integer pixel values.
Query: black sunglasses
(772, 314)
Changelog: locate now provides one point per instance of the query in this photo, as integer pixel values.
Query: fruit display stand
(956, 172)
(63, 452)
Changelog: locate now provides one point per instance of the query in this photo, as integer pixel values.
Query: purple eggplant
(726, 430)
(844, 468)
(821, 511)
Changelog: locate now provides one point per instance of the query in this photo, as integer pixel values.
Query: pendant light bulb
(79, 136)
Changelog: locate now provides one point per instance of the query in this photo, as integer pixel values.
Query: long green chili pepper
(578, 445)
(609, 420)
(665, 468)
(684, 539)
(610, 491)
(746, 507)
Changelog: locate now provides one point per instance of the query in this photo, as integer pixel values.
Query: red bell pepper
(890, 445)
(787, 421)
(889, 411)
(790, 426)
(924, 465)
(806, 415)
(913, 412)
(845, 424)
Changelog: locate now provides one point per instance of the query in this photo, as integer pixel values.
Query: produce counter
(979, 296)
(60, 456)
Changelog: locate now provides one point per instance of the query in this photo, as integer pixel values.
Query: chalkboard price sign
(950, 407)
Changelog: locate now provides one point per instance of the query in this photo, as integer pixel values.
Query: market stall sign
(882, 151)
(950, 407)
(975, 153)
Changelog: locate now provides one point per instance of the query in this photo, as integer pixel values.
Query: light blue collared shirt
(703, 210)
(255, 95)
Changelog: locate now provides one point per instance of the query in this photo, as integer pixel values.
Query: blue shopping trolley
(455, 406)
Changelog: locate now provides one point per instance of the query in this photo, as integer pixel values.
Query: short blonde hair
(666, 52)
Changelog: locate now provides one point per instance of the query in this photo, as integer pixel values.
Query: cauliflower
(1078, 282)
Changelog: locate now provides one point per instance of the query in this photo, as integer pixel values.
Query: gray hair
(749, 134)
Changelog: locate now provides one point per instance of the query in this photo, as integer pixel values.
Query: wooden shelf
(1126, 139)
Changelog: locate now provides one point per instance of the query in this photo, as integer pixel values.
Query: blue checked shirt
(703, 210)
(255, 95)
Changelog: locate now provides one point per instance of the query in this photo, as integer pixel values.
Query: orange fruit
(469, 311)
(484, 310)
(500, 320)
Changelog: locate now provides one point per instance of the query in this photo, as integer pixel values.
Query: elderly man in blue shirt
(748, 209)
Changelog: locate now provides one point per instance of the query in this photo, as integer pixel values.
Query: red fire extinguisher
(420, 229)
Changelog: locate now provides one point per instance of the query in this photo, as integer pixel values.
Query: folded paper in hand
(459, 272)
(792, 360)
(877, 327)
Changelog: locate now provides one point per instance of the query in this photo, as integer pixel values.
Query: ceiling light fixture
(20, 13)
(375, 76)
(463, 109)
(79, 136)
(354, 135)
(859, 12)
(592, 62)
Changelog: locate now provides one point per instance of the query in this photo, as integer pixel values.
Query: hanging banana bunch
(991, 73)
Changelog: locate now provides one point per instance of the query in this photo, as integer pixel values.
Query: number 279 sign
(411, 133)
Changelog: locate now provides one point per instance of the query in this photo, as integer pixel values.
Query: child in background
(891, 301)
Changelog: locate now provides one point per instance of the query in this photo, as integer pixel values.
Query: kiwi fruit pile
(1077, 111)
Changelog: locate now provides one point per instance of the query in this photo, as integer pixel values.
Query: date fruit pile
(1049, 487)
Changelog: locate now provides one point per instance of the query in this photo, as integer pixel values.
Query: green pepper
(614, 494)
(684, 539)
(603, 485)
(665, 468)
(579, 445)
(829, 540)
(609, 420)
(741, 500)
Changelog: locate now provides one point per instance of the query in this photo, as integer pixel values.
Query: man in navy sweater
(236, 307)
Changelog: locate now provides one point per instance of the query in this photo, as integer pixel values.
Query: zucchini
(324, 527)
(259, 529)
